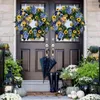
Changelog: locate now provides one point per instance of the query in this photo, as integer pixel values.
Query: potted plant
(86, 73)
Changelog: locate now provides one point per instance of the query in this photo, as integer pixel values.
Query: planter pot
(67, 83)
(70, 89)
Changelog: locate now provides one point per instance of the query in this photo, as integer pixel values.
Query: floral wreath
(59, 19)
(32, 23)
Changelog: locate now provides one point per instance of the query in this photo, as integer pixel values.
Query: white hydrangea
(91, 97)
(10, 96)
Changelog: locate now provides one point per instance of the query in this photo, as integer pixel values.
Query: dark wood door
(65, 52)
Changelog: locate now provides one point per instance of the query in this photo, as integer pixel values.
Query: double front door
(65, 52)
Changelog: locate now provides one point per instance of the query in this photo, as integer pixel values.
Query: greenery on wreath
(25, 20)
(60, 18)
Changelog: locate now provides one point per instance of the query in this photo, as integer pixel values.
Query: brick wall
(7, 23)
(93, 22)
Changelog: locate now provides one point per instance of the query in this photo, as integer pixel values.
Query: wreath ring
(71, 15)
(32, 23)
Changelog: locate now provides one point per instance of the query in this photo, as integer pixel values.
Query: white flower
(10, 96)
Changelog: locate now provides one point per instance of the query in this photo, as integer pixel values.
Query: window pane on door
(67, 24)
(24, 6)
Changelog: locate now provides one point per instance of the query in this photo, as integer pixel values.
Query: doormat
(43, 94)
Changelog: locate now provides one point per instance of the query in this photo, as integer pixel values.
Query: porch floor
(46, 98)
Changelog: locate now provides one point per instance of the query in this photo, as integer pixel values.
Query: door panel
(65, 52)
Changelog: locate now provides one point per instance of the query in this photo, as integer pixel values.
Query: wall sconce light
(99, 3)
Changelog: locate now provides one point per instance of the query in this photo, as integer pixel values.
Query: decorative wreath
(64, 16)
(32, 23)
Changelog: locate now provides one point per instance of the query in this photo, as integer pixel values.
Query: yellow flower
(28, 8)
(23, 23)
(64, 18)
(18, 18)
(16, 28)
(30, 31)
(36, 17)
(63, 7)
(22, 9)
(29, 18)
(31, 15)
(39, 10)
(43, 19)
(58, 13)
(66, 15)
(23, 13)
(39, 31)
(78, 19)
(38, 35)
(74, 9)
(6, 46)
(74, 31)
(71, 24)
(60, 29)
(82, 23)
(65, 32)
(78, 32)
(53, 17)
(71, 17)
(57, 9)
(73, 35)
(36, 24)
(47, 23)
(25, 29)
(58, 23)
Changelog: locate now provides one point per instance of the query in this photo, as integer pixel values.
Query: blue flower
(55, 27)
(60, 35)
(75, 23)
(20, 28)
(40, 23)
(25, 35)
(78, 15)
(42, 15)
(47, 29)
(33, 10)
(69, 10)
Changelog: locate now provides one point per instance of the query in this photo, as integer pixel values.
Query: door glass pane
(67, 23)
(32, 24)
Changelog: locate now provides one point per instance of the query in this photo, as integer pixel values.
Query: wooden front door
(65, 52)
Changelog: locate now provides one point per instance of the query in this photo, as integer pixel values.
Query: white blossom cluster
(71, 68)
(91, 97)
(10, 96)
(86, 79)
(18, 78)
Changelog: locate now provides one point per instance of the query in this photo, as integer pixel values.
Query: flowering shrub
(10, 96)
(91, 97)
(69, 72)
(61, 17)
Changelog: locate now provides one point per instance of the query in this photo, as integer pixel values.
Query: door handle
(52, 52)
(47, 52)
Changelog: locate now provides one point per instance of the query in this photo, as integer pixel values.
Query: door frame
(26, 83)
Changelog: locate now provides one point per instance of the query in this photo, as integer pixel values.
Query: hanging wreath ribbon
(32, 23)
(67, 22)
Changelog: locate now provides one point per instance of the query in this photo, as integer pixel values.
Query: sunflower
(29, 19)
(65, 32)
(38, 35)
(23, 23)
(78, 32)
(39, 31)
(63, 18)
(71, 17)
(58, 23)
(43, 19)
(78, 19)
(63, 7)
(30, 31)
(74, 31)
(74, 9)
(36, 17)
(53, 17)
(31, 15)
(28, 8)
(19, 18)
(39, 10)
(57, 9)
